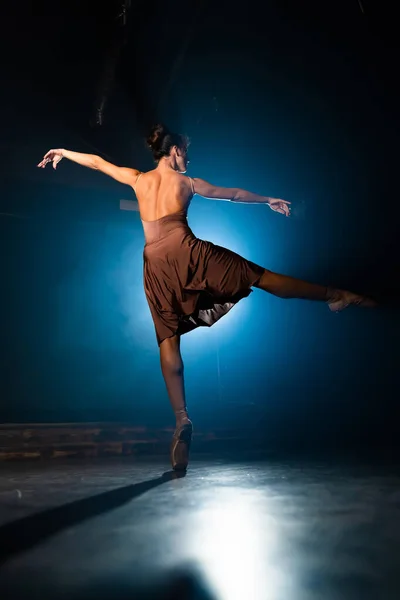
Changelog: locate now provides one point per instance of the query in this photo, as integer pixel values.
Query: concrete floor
(228, 530)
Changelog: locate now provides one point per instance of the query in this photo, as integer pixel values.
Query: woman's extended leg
(289, 287)
(172, 370)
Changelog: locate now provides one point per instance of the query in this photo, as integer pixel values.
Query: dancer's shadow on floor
(184, 583)
(25, 533)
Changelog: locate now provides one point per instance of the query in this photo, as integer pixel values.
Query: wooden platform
(56, 440)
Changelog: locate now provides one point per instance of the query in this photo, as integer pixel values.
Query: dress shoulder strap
(192, 185)
(137, 179)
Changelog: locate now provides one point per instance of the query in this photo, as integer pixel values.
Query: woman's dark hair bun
(161, 140)
(157, 134)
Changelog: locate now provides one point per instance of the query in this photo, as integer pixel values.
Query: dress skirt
(190, 282)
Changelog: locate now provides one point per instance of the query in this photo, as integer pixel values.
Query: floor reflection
(239, 545)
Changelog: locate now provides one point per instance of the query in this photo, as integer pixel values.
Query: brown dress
(189, 282)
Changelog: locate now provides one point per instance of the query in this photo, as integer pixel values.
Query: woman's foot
(338, 300)
(180, 447)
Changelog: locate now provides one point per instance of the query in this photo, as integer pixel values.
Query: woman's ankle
(182, 416)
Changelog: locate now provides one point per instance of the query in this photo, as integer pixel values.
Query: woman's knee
(170, 355)
(262, 283)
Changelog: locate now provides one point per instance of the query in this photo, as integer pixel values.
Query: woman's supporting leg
(172, 370)
(290, 287)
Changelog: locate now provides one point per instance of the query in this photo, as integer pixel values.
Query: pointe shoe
(341, 299)
(180, 446)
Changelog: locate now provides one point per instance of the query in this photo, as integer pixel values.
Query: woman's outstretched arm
(121, 174)
(208, 190)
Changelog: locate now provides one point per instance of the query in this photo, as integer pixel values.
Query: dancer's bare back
(161, 193)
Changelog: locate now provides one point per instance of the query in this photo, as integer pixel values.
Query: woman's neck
(166, 164)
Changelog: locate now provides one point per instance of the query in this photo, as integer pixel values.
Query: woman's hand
(53, 156)
(280, 206)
